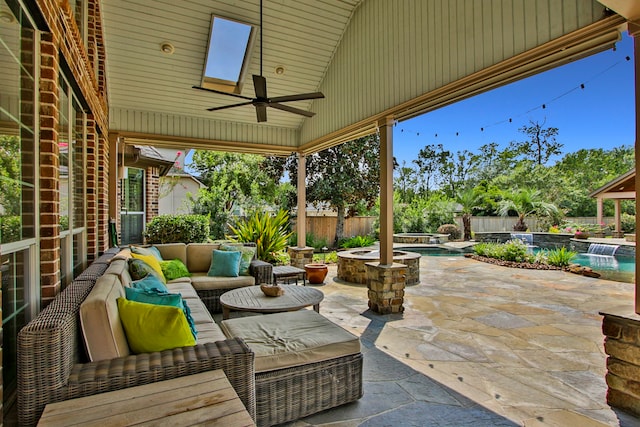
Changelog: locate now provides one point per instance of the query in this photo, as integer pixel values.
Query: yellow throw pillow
(152, 262)
(151, 327)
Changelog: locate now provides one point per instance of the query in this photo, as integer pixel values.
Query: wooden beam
(386, 192)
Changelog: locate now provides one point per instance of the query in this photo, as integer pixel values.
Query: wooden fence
(324, 227)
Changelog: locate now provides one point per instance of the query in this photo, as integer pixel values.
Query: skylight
(227, 55)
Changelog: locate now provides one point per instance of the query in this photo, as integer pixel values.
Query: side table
(289, 272)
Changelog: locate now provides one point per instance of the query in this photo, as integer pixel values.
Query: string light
(540, 106)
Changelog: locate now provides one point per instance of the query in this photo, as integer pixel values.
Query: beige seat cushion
(103, 335)
(201, 282)
(209, 332)
(290, 339)
(183, 288)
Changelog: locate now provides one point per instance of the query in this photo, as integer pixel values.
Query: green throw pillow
(138, 269)
(152, 328)
(150, 283)
(224, 264)
(174, 269)
(152, 250)
(151, 262)
(157, 298)
(248, 252)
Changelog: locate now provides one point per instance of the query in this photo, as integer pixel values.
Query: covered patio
(88, 79)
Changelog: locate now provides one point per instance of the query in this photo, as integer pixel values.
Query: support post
(301, 226)
(634, 31)
(386, 192)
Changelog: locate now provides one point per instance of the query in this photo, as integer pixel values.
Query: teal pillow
(138, 269)
(150, 283)
(248, 252)
(152, 250)
(224, 264)
(157, 298)
(150, 327)
(174, 269)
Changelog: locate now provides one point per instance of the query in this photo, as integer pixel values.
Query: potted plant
(316, 272)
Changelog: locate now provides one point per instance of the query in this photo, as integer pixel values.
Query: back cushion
(103, 335)
(199, 256)
(120, 268)
(171, 251)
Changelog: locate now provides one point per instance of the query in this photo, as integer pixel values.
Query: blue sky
(602, 115)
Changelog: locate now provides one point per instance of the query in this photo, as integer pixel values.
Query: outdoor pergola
(621, 188)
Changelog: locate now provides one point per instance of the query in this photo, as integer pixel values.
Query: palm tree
(468, 200)
(525, 202)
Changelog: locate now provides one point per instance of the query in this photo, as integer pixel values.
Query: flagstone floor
(480, 345)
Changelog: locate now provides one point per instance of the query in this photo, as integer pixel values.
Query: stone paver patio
(480, 345)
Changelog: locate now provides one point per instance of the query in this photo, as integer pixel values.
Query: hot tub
(351, 265)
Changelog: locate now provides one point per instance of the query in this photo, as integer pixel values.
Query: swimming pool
(618, 268)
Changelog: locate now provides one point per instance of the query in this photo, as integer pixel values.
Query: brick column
(300, 256)
(152, 185)
(49, 170)
(622, 345)
(386, 287)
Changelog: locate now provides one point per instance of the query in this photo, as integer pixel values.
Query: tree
(430, 158)
(345, 177)
(468, 199)
(405, 182)
(234, 182)
(525, 202)
(541, 145)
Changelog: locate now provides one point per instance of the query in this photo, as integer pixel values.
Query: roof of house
(623, 186)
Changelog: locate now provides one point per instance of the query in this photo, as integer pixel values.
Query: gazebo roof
(623, 187)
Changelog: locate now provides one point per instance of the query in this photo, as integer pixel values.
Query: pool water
(435, 251)
(618, 268)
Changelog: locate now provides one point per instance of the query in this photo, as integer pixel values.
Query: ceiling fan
(262, 100)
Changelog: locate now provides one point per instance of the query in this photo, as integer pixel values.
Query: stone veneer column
(622, 345)
(300, 256)
(386, 287)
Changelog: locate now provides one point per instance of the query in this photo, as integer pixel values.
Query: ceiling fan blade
(291, 109)
(261, 112)
(260, 86)
(220, 92)
(299, 97)
(224, 107)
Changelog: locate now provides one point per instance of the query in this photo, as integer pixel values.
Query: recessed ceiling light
(167, 48)
(279, 70)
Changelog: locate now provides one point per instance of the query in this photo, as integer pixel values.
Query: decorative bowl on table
(271, 290)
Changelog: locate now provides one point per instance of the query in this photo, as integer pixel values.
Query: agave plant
(268, 232)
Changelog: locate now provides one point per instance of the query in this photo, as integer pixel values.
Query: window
(228, 52)
(132, 206)
(18, 170)
(72, 148)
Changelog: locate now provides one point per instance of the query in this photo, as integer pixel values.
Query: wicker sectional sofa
(58, 360)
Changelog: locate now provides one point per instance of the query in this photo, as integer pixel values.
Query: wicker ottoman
(304, 364)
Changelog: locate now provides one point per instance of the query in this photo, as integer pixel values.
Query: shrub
(559, 257)
(451, 229)
(177, 229)
(628, 223)
(269, 233)
(311, 240)
(10, 229)
(356, 242)
(514, 250)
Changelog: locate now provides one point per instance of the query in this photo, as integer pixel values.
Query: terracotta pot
(316, 273)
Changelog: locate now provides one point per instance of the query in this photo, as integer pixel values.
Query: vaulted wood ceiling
(371, 58)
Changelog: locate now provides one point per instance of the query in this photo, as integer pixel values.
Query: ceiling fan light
(167, 48)
(280, 70)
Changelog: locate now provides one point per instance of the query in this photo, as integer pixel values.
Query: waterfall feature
(602, 249)
(527, 238)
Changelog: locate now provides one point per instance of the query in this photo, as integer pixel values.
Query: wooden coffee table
(200, 399)
(251, 298)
